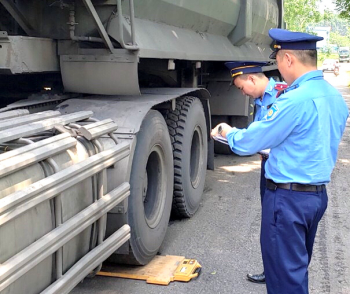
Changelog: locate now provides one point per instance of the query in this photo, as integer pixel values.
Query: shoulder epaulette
(280, 87)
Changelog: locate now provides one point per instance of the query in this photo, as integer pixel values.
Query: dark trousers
(262, 180)
(288, 228)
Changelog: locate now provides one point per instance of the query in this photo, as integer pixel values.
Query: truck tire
(188, 132)
(151, 187)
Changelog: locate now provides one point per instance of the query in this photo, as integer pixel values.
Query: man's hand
(221, 129)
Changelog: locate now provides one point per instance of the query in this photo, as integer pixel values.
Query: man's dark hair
(308, 57)
(245, 76)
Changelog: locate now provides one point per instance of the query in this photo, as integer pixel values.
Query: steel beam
(101, 29)
(27, 155)
(95, 130)
(13, 113)
(40, 126)
(11, 7)
(18, 265)
(31, 147)
(19, 202)
(89, 262)
(19, 121)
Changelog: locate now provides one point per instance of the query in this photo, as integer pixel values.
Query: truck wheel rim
(196, 161)
(154, 187)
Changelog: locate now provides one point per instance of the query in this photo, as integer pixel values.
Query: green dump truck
(106, 110)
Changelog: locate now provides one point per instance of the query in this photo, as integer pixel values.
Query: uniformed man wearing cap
(248, 77)
(303, 129)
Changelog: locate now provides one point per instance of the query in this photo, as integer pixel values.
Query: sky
(329, 4)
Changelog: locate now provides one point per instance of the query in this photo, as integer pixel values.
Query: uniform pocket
(280, 197)
(269, 213)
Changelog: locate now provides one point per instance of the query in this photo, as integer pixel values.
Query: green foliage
(340, 31)
(327, 51)
(341, 41)
(300, 14)
(333, 20)
(303, 16)
(326, 55)
(343, 7)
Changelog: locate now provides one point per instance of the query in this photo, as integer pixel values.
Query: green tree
(343, 7)
(333, 20)
(340, 28)
(300, 14)
(341, 41)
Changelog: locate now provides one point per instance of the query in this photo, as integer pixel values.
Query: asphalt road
(224, 234)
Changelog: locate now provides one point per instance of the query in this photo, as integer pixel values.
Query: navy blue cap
(244, 67)
(292, 40)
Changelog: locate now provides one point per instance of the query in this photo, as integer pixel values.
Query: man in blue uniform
(248, 77)
(303, 129)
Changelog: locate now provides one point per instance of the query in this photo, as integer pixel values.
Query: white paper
(264, 152)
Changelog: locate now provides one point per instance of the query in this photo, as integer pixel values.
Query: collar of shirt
(311, 75)
(269, 91)
(315, 74)
(270, 88)
(269, 94)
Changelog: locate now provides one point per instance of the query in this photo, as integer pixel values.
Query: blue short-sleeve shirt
(303, 129)
(265, 102)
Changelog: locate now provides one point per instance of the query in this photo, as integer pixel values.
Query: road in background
(224, 234)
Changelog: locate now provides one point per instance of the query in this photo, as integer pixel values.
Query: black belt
(271, 185)
(264, 155)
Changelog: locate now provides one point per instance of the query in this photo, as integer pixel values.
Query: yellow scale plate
(161, 270)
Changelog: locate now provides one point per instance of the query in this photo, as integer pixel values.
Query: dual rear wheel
(168, 172)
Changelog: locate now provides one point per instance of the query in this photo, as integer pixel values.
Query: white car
(330, 64)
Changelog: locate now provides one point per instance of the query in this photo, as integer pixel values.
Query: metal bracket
(11, 7)
(90, 7)
(97, 129)
(4, 36)
(133, 45)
